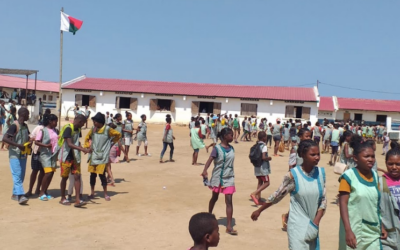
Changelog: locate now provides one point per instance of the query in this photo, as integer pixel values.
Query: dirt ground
(142, 214)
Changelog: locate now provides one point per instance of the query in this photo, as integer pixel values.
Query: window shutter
(289, 113)
(78, 99)
(306, 113)
(252, 109)
(217, 108)
(44, 98)
(92, 101)
(117, 99)
(195, 107)
(172, 107)
(134, 103)
(153, 104)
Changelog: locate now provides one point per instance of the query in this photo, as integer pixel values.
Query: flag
(69, 23)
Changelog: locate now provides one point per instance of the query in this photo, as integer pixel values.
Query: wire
(365, 90)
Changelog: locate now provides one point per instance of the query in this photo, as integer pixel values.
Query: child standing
(102, 137)
(236, 127)
(35, 165)
(306, 184)
(17, 136)
(119, 126)
(128, 129)
(168, 140)
(335, 138)
(196, 141)
(286, 135)
(327, 138)
(142, 135)
(386, 141)
(360, 224)
(223, 176)
(346, 156)
(9, 120)
(262, 172)
(204, 229)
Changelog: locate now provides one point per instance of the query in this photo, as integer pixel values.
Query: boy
(196, 140)
(16, 136)
(335, 137)
(103, 137)
(263, 171)
(236, 127)
(70, 158)
(203, 227)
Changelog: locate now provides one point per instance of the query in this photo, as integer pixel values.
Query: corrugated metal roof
(195, 89)
(326, 104)
(369, 104)
(20, 83)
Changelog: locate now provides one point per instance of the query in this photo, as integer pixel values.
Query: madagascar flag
(69, 23)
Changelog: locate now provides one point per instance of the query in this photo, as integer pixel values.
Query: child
(196, 141)
(47, 139)
(213, 133)
(262, 173)
(128, 129)
(168, 140)
(17, 136)
(236, 127)
(360, 225)
(317, 131)
(223, 176)
(294, 158)
(35, 165)
(87, 114)
(142, 135)
(269, 134)
(70, 160)
(204, 229)
(102, 137)
(9, 120)
(286, 135)
(327, 138)
(306, 185)
(385, 140)
(389, 185)
(119, 127)
(346, 156)
(335, 138)
(277, 135)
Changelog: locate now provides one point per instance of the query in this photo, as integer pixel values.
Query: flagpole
(60, 90)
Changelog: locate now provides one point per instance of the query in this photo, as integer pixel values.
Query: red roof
(326, 104)
(20, 83)
(195, 89)
(369, 104)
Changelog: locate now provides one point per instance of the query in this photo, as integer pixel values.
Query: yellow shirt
(345, 186)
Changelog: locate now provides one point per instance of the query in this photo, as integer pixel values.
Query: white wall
(330, 115)
(366, 115)
(183, 105)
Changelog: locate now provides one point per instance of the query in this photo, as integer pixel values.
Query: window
(50, 98)
(381, 118)
(298, 112)
(202, 107)
(126, 103)
(162, 105)
(44, 98)
(83, 100)
(358, 117)
(248, 109)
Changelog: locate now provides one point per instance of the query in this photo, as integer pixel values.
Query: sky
(352, 44)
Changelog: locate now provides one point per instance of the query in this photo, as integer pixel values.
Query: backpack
(235, 123)
(256, 155)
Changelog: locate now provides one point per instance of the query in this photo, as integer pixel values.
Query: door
(134, 103)
(306, 113)
(289, 111)
(92, 101)
(217, 108)
(195, 107)
(346, 116)
(78, 100)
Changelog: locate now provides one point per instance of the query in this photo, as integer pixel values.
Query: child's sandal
(231, 232)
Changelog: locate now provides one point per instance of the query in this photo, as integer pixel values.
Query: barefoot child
(196, 141)
(47, 140)
(306, 185)
(223, 176)
(389, 185)
(102, 138)
(127, 128)
(204, 229)
(17, 136)
(70, 159)
(142, 135)
(261, 172)
(168, 140)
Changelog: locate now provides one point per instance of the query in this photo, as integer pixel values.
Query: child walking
(47, 140)
(196, 141)
(360, 224)
(306, 184)
(346, 156)
(335, 137)
(16, 137)
(128, 129)
(213, 133)
(204, 229)
(386, 141)
(389, 185)
(168, 140)
(223, 176)
(262, 172)
(9, 120)
(102, 137)
(236, 127)
(142, 136)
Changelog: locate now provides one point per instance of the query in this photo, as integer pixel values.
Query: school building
(155, 99)
(371, 111)
(48, 91)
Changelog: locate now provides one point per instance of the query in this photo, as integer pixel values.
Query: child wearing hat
(100, 139)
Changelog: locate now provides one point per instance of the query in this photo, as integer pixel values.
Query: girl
(327, 138)
(142, 135)
(390, 198)
(317, 131)
(196, 141)
(47, 140)
(128, 129)
(286, 135)
(360, 224)
(168, 140)
(223, 175)
(119, 127)
(35, 164)
(269, 135)
(306, 184)
(346, 156)
(254, 128)
(9, 120)
(385, 141)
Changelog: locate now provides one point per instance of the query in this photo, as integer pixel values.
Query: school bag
(256, 155)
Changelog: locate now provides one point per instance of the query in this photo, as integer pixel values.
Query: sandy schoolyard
(142, 214)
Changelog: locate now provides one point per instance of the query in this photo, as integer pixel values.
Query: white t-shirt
(109, 120)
